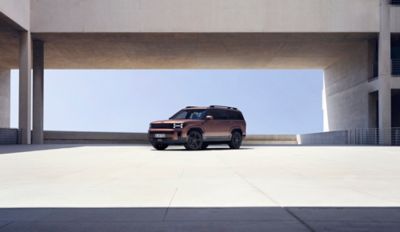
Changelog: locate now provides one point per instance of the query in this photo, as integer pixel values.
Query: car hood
(174, 121)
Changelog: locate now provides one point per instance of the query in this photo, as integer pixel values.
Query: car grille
(162, 125)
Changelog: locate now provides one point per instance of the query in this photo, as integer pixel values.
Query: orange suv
(197, 127)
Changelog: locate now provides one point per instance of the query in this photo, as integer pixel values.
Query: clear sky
(272, 101)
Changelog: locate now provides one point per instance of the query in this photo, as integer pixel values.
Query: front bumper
(172, 136)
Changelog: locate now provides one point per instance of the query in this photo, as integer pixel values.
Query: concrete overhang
(8, 42)
(189, 50)
(17, 13)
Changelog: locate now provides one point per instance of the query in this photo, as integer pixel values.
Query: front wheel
(160, 146)
(204, 146)
(194, 141)
(236, 140)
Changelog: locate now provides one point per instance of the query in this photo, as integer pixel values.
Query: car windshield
(190, 114)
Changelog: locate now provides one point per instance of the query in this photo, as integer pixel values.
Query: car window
(219, 114)
(197, 115)
(234, 115)
(180, 115)
(190, 114)
(231, 115)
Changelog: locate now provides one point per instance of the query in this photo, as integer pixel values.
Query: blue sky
(272, 101)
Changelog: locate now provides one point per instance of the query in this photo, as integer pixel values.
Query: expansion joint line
(301, 221)
(172, 198)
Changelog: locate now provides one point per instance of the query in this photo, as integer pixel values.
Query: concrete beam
(38, 80)
(204, 16)
(17, 11)
(384, 64)
(4, 98)
(25, 85)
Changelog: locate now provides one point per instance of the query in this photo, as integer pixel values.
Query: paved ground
(134, 188)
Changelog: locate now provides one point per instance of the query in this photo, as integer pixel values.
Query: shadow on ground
(208, 149)
(245, 219)
(8, 149)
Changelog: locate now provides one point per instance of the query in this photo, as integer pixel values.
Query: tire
(204, 146)
(236, 140)
(160, 146)
(194, 141)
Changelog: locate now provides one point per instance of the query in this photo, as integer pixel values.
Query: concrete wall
(205, 16)
(72, 137)
(346, 90)
(270, 140)
(395, 19)
(18, 11)
(4, 98)
(325, 138)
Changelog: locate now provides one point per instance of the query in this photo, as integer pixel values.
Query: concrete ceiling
(187, 51)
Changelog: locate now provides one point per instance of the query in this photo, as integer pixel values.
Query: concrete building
(355, 42)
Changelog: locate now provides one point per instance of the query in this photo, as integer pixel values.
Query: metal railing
(396, 67)
(9, 136)
(374, 136)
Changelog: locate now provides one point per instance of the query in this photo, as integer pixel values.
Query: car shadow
(208, 149)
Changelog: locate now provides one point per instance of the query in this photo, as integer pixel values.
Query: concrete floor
(135, 188)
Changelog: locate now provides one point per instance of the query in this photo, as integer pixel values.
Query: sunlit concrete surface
(135, 188)
(138, 176)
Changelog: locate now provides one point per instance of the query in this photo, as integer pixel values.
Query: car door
(213, 129)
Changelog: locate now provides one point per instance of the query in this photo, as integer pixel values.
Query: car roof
(212, 107)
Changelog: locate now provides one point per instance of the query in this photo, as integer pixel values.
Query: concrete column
(385, 71)
(4, 98)
(25, 85)
(38, 80)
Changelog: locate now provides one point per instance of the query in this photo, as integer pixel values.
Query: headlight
(178, 125)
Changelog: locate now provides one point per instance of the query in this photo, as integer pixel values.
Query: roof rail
(223, 107)
(188, 107)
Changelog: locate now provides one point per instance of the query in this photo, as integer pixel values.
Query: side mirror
(209, 117)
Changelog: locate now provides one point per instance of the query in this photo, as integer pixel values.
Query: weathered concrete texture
(205, 16)
(191, 51)
(346, 89)
(5, 98)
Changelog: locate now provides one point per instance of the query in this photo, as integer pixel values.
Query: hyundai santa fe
(197, 127)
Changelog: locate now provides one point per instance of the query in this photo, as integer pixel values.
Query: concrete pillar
(25, 85)
(385, 71)
(38, 80)
(4, 98)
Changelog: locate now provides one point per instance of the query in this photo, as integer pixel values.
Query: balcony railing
(373, 136)
(396, 67)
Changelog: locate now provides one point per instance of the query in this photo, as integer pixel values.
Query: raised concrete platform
(134, 188)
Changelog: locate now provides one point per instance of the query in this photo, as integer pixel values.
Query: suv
(197, 127)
